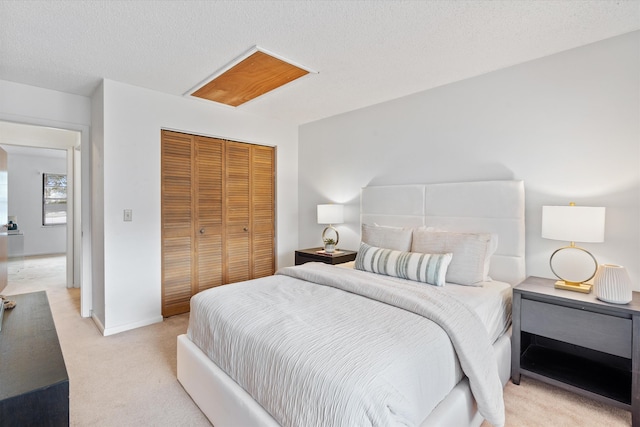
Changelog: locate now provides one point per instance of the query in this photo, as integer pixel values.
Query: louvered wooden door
(262, 211)
(218, 215)
(177, 222)
(238, 211)
(209, 155)
(250, 218)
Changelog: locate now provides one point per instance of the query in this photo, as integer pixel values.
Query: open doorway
(41, 157)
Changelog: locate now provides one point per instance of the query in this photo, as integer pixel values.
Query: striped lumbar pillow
(427, 268)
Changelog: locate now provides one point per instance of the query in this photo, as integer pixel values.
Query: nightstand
(312, 255)
(578, 343)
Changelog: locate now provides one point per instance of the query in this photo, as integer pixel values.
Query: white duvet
(354, 350)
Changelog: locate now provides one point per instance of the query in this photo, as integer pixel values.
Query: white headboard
(481, 206)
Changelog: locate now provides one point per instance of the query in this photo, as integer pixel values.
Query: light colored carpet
(129, 379)
(535, 404)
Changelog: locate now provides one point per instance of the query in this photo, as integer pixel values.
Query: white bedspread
(323, 355)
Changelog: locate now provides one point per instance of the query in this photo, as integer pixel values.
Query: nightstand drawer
(608, 334)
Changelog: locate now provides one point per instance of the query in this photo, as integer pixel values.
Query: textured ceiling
(365, 52)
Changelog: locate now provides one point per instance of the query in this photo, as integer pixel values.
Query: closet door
(263, 211)
(218, 200)
(238, 212)
(250, 211)
(177, 226)
(208, 194)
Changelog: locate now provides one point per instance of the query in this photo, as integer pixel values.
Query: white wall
(25, 202)
(132, 120)
(567, 124)
(28, 104)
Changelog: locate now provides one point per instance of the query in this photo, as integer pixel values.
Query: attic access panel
(253, 76)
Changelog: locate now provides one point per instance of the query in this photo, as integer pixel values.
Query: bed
(350, 334)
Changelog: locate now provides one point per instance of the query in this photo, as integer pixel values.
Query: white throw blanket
(465, 330)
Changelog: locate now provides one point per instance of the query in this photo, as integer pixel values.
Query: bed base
(226, 404)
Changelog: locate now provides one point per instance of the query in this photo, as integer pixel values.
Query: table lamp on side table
(330, 214)
(573, 224)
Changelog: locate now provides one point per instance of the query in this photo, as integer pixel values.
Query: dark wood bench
(34, 385)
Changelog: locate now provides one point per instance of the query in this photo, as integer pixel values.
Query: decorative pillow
(427, 268)
(396, 238)
(471, 253)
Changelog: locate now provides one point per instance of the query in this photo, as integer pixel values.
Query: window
(54, 199)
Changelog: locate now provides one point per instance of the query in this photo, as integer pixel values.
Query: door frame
(78, 245)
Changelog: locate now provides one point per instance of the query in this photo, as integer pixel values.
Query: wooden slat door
(208, 193)
(238, 212)
(250, 211)
(218, 215)
(177, 226)
(263, 211)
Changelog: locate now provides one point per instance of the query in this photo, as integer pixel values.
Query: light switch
(128, 215)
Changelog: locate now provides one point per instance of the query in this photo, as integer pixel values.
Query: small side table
(578, 343)
(313, 255)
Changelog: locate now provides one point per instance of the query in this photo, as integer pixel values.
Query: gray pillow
(396, 238)
(471, 253)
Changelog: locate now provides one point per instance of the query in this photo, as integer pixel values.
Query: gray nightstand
(578, 343)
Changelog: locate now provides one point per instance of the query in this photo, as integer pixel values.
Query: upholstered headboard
(481, 206)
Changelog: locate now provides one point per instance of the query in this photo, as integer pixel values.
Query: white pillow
(426, 268)
(471, 253)
(396, 238)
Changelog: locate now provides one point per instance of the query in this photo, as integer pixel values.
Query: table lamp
(330, 214)
(573, 224)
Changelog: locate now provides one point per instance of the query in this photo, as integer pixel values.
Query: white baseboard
(129, 326)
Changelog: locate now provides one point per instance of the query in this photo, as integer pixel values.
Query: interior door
(263, 211)
(208, 187)
(218, 216)
(177, 227)
(237, 211)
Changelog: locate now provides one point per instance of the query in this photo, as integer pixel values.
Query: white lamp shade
(573, 223)
(613, 284)
(330, 214)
